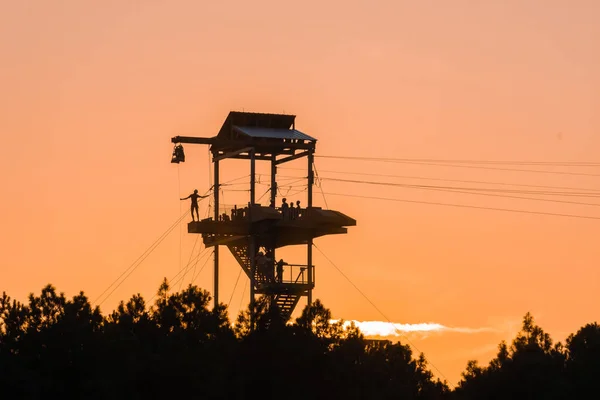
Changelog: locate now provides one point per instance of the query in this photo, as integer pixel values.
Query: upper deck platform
(287, 226)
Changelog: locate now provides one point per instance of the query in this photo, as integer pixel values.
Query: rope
(234, 287)
(320, 186)
(497, 162)
(139, 260)
(448, 180)
(242, 299)
(202, 267)
(196, 259)
(468, 206)
(190, 259)
(445, 163)
(180, 227)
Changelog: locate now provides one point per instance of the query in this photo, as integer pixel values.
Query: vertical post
(273, 195)
(252, 254)
(216, 216)
(273, 178)
(252, 240)
(252, 177)
(309, 244)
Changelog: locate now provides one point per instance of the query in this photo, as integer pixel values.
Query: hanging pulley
(178, 154)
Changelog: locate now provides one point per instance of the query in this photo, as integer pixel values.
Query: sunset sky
(92, 92)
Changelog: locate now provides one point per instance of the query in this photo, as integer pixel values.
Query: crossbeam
(232, 154)
(294, 157)
(193, 140)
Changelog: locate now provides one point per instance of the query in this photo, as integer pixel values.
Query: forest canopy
(54, 346)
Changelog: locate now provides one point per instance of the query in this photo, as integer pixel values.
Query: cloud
(387, 329)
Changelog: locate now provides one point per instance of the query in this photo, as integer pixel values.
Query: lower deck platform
(288, 227)
(300, 289)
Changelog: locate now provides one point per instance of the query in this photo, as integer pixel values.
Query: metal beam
(193, 140)
(232, 154)
(216, 250)
(294, 157)
(273, 178)
(309, 244)
(252, 177)
(248, 157)
(252, 254)
(259, 144)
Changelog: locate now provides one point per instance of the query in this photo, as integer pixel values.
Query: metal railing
(239, 212)
(294, 273)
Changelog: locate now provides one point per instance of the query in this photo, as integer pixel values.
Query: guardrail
(294, 273)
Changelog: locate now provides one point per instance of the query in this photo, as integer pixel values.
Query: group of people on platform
(288, 211)
(269, 270)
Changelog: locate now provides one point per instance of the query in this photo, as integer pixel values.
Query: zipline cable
(201, 255)
(234, 287)
(517, 191)
(320, 186)
(190, 259)
(466, 206)
(172, 281)
(474, 192)
(140, 259)
(458, 161)
(242, 298)
(449, 180)
(202, 267)
(441, 164)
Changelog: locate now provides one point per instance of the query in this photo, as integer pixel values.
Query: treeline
(54, 347)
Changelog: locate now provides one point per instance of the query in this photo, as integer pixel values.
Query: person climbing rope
(194, 205)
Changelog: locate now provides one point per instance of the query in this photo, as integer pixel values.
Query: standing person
(280, 265)
(194, 205)
(285, 208)
(298, 208)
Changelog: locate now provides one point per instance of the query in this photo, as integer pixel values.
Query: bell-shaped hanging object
(178, 154)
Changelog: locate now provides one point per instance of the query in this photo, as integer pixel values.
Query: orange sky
(91, 95)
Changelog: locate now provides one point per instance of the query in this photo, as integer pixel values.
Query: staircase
(240, 253)
(286, 302)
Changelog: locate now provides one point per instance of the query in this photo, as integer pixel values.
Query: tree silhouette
(54, 347)
(531, 368)
(583, 361)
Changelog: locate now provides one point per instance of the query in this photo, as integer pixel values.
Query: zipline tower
(253, 232)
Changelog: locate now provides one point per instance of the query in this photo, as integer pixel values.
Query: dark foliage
(535, 368)
(53, 347)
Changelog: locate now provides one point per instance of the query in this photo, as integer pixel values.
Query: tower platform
(253, 232)
(287, 228)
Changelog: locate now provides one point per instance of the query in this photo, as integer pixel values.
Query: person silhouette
(280, 265)
(285, 208)
(194, 205)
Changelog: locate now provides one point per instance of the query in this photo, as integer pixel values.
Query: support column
(309, 244)
(273, 178)
(252, 239)
(252, 255)
(252, 177)
(216, 217)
